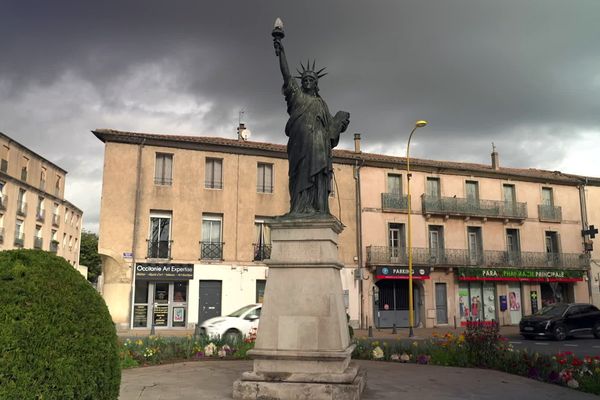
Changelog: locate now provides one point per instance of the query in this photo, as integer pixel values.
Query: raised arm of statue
(285, 70)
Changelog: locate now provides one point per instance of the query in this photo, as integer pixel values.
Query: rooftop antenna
(243, 133)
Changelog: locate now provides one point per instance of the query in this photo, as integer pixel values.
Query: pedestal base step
(284, 390)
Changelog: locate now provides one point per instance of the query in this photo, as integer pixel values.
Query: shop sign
(402, 273)
(156, 272)
(161, 314)
(534, 303)
(140, 315)
(525, 275)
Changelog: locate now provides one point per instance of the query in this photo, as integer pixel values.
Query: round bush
(57, 340)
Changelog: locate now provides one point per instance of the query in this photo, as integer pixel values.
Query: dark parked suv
(561, 320)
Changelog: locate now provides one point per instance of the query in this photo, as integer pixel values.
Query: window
(70, 243)
(475, 245)
(547, 198)
(472, 191)
(513, 247)
(66, 215)
(262, 246)
(4, 160)
(43, 179)
(509, 193)
(21, 203)
(264, 178)
(552, 247)
(396, 238)
(394, 184)
(213, 173)
(24, 167)
(39, 211)
(433, 187)
(3, 197)
(37, 240)
(212, 247)
(56, 215)
(54, 242)
(163, 172)
(159, 243)
(57, 186)
(19, 234)
(436, 243)
(261, 284)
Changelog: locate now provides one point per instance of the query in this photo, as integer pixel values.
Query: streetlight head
(421, 123)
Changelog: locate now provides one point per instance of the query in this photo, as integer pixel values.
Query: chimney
(357, 142)
(495, 158)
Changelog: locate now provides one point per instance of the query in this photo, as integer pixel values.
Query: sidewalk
(213, 380)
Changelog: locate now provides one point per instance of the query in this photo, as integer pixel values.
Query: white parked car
(234, 326)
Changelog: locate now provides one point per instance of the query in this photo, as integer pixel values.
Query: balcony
(21, 208)
(383, 255)
(453, 206)
(3, 202)
(38, 243)
(548, 213)
(394, 202)
(19, 239)
(40, 215)
(54, 246)
(163, 181)
(262, 251)
(211, 250)
(159, 249)
(55, 220)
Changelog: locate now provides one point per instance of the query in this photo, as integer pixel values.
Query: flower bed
(483, 347)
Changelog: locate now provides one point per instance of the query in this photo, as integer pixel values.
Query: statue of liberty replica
(312, 133)
(303, 349)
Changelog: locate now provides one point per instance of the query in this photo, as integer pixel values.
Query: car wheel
(559, 332)
(596, 330)
(232, 336)
(528, 337)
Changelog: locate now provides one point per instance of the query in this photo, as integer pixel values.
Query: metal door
(209, 300)
(441, 306)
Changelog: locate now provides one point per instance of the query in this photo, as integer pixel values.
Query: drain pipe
(358, 211)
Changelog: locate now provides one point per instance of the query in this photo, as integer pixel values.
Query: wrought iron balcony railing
(3, 202)
(261, 251)
(211, 250)
(378, 255)
(213, 184)
(38, 242)
(56, 220)
(54, 246)
(163, 180)
(473, 208)
(394, 202)
(549, 213)
(159, 249)
(21, 208)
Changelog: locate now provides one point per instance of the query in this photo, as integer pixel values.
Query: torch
(278, 32)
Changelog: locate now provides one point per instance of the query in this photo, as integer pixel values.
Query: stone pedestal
(303, 347)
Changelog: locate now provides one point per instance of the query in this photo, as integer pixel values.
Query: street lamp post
(411, 317)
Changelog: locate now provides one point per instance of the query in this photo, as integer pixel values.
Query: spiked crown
(308, 71)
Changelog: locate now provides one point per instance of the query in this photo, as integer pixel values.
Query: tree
(88, 255)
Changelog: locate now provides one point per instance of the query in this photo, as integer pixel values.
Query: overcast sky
(524, 74)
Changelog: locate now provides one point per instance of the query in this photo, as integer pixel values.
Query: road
(584, 345)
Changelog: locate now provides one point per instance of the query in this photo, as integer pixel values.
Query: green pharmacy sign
(523, 275)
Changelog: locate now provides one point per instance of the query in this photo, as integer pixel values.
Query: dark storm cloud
(522, 74)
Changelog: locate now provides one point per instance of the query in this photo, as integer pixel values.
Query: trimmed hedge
(57, 339)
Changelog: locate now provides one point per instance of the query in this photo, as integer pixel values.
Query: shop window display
(476, 302)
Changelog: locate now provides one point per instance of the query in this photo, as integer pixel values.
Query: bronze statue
(312, 133)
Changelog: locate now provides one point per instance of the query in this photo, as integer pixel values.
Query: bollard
(394, 331)
(370, 334)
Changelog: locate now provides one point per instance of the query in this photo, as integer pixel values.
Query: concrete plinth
(303, 347)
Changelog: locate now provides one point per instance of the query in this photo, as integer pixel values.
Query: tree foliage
(88, 255)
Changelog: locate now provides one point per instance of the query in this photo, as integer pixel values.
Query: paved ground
(213, 380)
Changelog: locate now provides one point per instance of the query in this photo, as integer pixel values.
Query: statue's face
(309, 83)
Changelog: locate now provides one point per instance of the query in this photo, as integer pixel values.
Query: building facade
(183, 234)
(591, 206)
(33, 211)
(488, 243)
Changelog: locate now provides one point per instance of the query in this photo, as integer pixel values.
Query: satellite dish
(245, 134)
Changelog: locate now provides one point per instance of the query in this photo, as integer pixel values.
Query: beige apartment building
(182, 233)
(591, 207)
(33, 211)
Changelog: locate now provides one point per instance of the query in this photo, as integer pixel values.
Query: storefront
(161, 295)
(499, 294)
(391, 296)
